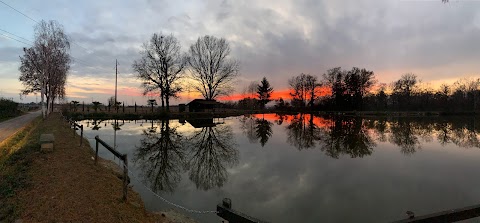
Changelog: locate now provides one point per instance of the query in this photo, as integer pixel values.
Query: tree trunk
(48, 105)
(167, 101)
(44, 114)
(162, 96)
(53, 102)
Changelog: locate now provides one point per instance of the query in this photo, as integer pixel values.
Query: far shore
(103, 115)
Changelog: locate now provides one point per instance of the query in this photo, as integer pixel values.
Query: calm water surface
(302, 168)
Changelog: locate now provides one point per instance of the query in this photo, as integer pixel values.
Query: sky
(276, 39)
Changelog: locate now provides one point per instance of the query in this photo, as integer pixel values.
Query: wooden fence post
(96, 150)
(81, 134)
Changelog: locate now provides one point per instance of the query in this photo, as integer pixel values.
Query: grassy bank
(63, 185)
(16, 155)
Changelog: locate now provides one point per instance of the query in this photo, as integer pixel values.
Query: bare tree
(303, 89)
(334, 80)
(212, 70)
(250, 89)
(358, 82)
(161, 67)
(45, 65)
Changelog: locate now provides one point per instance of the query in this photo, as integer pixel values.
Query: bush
(8, 108)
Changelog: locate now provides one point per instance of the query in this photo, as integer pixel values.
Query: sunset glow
(284, 93)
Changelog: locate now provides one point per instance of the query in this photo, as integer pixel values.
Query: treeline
(358, 90)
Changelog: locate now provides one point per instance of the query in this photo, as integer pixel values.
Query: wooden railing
(122, 157)
(75, 125)
(452, 215)
(225, 211)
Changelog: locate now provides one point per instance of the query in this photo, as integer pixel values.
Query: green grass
(16, 155)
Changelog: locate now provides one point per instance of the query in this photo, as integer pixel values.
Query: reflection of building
(200, 123)
(202, 105)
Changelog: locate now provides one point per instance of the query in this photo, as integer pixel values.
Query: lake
(301, 168)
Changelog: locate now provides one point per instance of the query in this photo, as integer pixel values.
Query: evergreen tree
(264, 92)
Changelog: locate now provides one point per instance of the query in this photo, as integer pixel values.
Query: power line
(15, 39)
(15, 35)
(18, 11)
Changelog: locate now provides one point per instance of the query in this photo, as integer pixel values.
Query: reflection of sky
(278, 183)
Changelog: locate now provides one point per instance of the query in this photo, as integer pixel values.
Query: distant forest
(358, 90)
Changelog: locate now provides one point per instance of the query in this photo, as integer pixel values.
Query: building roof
(200, 123)
(203, 101)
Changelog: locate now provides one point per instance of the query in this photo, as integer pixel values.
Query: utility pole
(116, 77)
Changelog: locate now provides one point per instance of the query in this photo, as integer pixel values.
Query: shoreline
(210, 115)
(64, 183)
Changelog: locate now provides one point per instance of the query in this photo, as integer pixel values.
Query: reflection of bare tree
(256, 129)
(212, 150)
(403, 135)
(263, 130)
(407, 132)
(96, 124)
(380, 128)
(248, 128)
(161, 157)
(347, 136)
(464, 134)
(444, 133)
(302, 132)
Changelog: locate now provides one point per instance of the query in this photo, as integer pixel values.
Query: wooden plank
(225, 211)
(453, 215)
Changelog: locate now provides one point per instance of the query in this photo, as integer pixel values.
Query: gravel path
(11, 126)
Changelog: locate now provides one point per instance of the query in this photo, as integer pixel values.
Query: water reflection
(161, 156)
(309, 163)
(302, 132)
(346, 135)
(96, 124)
(357, 137)
(164, 154)
(256, 129)
(405, 136)
(211, 151)
(264, 130)
(248, 128)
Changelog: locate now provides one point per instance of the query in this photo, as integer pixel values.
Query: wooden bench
(47, 140)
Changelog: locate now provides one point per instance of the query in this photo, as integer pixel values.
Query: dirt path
(11, 126)
(66, 185)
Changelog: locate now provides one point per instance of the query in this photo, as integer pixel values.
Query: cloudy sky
(272, 38)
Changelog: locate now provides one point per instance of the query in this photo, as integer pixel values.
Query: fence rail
(75, 125)
(225, 211)
(122, 157)
(452, 215)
